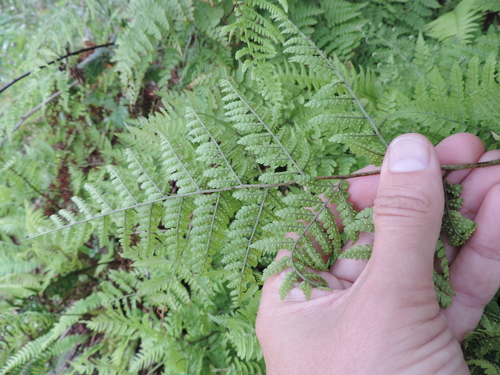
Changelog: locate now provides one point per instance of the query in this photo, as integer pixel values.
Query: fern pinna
(258, 101)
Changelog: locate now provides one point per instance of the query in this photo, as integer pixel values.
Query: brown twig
(35, 110)
(53, 62)
(230, 12)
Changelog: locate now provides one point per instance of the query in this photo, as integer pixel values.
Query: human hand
(382, 316)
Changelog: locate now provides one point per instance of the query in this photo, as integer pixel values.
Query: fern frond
(36, 347)
(342, 32)
(306, 51)
(460, 22)
(151, 22)
(257, 31)
(358, 252)
(241, 334)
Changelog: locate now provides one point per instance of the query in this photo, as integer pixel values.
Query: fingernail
(408, 154)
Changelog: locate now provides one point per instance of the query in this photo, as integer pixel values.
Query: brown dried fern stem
(448, 168)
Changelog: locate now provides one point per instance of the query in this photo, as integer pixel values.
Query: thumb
(407, 211)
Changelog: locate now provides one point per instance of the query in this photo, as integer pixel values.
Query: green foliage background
(156, 177)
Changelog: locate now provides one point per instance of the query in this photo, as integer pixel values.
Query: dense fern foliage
(158, 153)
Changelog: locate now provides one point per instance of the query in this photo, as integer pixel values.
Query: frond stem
(444, 167)
(452, 167)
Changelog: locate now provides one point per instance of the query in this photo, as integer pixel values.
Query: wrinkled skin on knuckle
(404, 203)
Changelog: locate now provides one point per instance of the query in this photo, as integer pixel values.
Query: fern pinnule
(357, 252)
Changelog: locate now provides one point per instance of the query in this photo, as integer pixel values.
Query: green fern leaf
(460, 22)
(287, 284)
(358, 252)
(444, 291)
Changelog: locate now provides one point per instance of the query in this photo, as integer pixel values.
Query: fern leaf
(144, 179)
(125, 193)
(443, 260)
(457, 84)
(241, 334)
(37, 346)
(176, 221)
(358, 252)
(460, 22)
(488, 368)
(287, 284)
(438, 86)
(489, 71)
(276, 267)
(362, 145)
(306, 51)
(345, 208)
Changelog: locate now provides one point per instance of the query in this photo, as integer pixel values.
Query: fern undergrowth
(157, 191)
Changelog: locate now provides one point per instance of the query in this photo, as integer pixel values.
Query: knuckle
(489, 251)
(403, 203)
